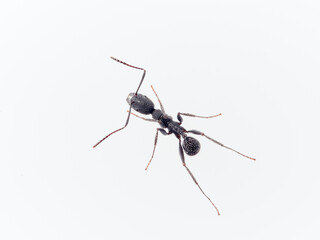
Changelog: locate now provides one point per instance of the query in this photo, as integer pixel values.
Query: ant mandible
(189, 145)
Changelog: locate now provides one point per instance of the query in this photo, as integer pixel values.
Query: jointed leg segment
(146, 119)
(164, 132)
(215, 141)
(161, 106)
(180, 119)
(190, 173)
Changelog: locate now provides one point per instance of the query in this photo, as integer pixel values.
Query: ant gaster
(189, 145)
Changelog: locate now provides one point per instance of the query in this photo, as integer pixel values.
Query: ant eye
(191, 146)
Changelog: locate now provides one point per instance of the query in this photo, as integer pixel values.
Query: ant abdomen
(191, 146)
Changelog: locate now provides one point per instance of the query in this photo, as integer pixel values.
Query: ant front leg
(146, 119)
(164, 132)
(219, 143)
(190, 173)
(161, 107)
(180, 119)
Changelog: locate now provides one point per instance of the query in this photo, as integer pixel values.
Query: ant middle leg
(219, 143)
(164, 132)
(180, 119)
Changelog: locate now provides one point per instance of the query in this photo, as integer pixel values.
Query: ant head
(191, 146)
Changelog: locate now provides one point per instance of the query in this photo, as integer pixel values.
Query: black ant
(190, 145)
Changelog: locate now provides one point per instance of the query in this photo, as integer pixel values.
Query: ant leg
(146, 119)
(164, 132)
(215, 141)
(143, 75)
(115, 130)
(190, 173)
(180, 119)
(162, 109)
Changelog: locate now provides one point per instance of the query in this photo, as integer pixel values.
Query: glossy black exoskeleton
(187, 144)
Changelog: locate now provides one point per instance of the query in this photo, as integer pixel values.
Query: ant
(189, 145)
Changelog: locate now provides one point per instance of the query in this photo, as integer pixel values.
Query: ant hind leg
(219, 143)
(190, 173)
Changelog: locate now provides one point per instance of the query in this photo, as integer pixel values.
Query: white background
(256, 62)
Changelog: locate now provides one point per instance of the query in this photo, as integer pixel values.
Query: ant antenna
(129, 65)
(127, 121)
